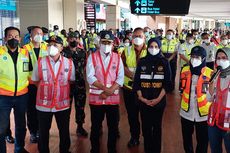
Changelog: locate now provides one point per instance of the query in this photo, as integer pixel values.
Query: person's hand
(103, 96)
(108, 91)
(153, 102)
(144, 100)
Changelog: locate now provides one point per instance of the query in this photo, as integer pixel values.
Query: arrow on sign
(137, 3)
(137, 10)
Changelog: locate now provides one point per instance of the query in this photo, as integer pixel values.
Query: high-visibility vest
(53, 91)
(219, 111)
(86, 43)
(222, 46)
(131, 63)
(182, 36)
(202, 102)
(64, 39)
(14, 80)
(197, 42)
(105, 76)
(168, 46)
(92, 40)
(42, 53)
(187, 53)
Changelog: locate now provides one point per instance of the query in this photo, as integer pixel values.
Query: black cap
(73, 35)
(55, 39)
(45, 30)
(198, 51)
(106, 36)
(56, 27)
(30, 28)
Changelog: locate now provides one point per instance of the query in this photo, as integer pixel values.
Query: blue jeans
(216, 135)
(19, 104)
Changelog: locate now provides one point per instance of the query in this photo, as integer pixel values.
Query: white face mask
(196, 62)
(53, 50)
(106, 48)
(138, 41)
(223, 63)
(56, 32)
(224, 42)
(126, 44)
(206, 41)
(38, 38)
(228, 40)
(153, 51)
(191, 41)
(169, 37)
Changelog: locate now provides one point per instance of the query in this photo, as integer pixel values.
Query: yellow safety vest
(168, 46)
(91, 40)
(14, 83)
(187, 53)
(197, 42)
(131, 63)
(86, 43)
(202, 102)
(64, 39)
(182, 36)
(222, 46)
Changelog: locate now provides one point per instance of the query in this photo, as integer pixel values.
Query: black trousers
(32, 120)
(97, 116)
(79, 94)
(201, 136)
(151, 118)
(132, 107)
(173, 65)
(45, 119)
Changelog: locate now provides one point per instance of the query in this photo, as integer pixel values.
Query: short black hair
(10, 28)
(170, 30)
(189, 35)
(204, 34)
(36, 27)
(138, 29)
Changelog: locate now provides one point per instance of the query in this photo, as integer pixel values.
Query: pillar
(113, 17)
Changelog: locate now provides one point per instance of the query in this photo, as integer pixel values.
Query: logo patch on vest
(66, 70)
(160, 68)
(204, 77)
(114, 67)
(143, 68)
(4, 58)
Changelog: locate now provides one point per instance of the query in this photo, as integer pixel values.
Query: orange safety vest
(219, 112)
(105, 76)
(53, 91)
(186, 77)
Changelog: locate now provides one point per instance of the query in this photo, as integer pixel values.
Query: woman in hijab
(152, 81)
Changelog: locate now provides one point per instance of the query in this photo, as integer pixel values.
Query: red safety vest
(219, 112)
(53, 91)
(105, 76)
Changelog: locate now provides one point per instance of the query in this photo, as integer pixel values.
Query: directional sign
(156, 7)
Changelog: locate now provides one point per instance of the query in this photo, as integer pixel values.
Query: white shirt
(193, 113)
(210, 50)
(55, 67)
(90, 71)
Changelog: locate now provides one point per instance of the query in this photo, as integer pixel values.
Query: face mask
(53, 50)
(45, 37)
(224, 42)
(153, 51)
(130, 38)
(138, 41)
(126, 44)
(56, 32)
(38, 38)
(191, 41)
(169, 37)
(195, 62)
(228, 40)
(223, 63)
(147, 34)
(206, 41)
(13, 43)
(73, 44)
(106, 48)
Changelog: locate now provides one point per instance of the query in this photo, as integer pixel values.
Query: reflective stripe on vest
(105, 76)
(219, 112)
(131, 62)
(7, 73)
(168, 46)
(202, 103)
(53, 91)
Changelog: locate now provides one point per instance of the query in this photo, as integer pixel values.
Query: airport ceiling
(214, 9)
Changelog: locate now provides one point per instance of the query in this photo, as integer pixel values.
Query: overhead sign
(9, 5)
(156, 7)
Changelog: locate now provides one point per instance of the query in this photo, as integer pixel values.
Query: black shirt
(14, 55)
(37, 50)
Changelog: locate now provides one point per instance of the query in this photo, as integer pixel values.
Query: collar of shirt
(59, 59)
(103, 55)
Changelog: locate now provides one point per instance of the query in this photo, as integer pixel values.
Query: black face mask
(13, 43)
(73, 44)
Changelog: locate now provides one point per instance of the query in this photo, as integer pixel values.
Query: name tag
(146, 76)
(160, 77)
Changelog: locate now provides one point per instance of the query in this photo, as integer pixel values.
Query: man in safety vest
(92, 40)
(196, 37)
(219, 114)
(169, 50)
(84, 40)
(53, 74)
(223, 42)
(194, 104)
(130, 57)
(36, 49)
(14, 79)
(105, 74)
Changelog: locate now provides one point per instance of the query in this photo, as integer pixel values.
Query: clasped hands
(106, 93)
(151, 103)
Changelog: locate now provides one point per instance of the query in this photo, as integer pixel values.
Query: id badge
(205, 87)
(25, 66)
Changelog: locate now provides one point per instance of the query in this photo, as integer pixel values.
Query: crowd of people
(42, 75)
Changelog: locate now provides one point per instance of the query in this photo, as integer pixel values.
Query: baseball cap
(198, 51)
(73, 35)
(106, 36)
(56, 39)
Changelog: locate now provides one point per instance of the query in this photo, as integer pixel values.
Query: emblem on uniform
(160, 68)
(107, 36)
(4, 58)
(66, 70)
(114, 67)
(204, 77)
(143, 68)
